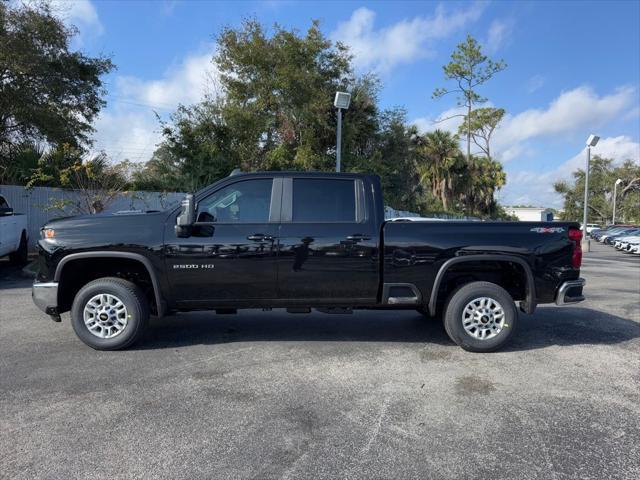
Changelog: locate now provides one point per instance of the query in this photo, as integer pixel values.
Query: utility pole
(342, 101)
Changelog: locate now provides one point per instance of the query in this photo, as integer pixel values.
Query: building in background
(531, 214)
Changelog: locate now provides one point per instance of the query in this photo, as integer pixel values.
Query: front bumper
(570, 292)
(45, 296)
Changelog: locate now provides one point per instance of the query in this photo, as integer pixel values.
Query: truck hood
(91, 231)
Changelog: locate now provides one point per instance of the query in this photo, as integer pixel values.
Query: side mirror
(186, 219)
(6, 211)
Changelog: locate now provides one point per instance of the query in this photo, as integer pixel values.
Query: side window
(242, 202)
(324, 200)
(3, 203)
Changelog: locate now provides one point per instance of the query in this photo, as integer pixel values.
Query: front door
(231, 254)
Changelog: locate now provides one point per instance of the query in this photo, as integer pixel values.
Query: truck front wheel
(480, 317)
(21, 255)
(109, 313)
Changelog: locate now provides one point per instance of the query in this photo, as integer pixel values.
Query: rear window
(324, 200)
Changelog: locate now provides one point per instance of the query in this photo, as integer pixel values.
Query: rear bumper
(570, 292)
(45, 296)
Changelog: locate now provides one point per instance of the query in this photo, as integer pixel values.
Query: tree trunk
(443, 194)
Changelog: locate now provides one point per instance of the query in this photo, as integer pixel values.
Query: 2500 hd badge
(193, 266)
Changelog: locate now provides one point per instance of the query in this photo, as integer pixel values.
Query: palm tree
(440, 160)
(484, 176)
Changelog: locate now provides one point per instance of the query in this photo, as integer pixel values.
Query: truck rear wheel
(480, 317)
(110, 313)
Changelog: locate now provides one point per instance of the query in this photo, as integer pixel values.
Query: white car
(626, 243)
(591, 227)
(620, 242)
(13, 234)
(415, 219)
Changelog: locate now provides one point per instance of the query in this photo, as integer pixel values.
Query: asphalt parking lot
(371, 395)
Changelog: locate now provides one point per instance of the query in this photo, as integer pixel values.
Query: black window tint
(3, 203)
(323, 200)
(241, 202)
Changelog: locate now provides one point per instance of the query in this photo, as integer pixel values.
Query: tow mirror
(6, 211)
(186, 219)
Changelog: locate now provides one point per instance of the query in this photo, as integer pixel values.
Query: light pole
(615, 196)
(341, 102)
(592, 141)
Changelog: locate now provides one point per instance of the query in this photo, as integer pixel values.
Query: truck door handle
(260, 237)
(358, 237)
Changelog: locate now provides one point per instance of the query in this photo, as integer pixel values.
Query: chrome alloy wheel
(483, 318)
(105, 315)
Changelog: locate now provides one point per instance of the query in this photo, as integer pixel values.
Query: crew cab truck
(300, 241)
(14, 238)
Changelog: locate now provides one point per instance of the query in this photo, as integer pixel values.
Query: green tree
(48, 93)
(441, 165)
(95, 181)
(481, 126)
(391, 153)
(469, 68)
(276, 111)
(279, 92)
(602, 177)
(160, 173)
(17, 168)
(482, 178)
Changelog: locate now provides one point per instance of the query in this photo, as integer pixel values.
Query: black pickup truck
(300, 241)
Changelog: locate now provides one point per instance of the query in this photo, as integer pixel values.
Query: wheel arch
(141, 259)
(528, 305)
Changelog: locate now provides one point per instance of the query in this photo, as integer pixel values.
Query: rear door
(327, 242)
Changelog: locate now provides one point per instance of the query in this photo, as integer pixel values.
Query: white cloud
(535, 188)
(619, 148)
(80, 13)
(128, 128)
(498, 35)
(186, 82)
(580, 108)
(448, 120)
(403, 42)
(535, 83)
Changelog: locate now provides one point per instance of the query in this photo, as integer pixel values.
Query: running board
(400, 294)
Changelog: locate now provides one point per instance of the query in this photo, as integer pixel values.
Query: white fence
(33, 203)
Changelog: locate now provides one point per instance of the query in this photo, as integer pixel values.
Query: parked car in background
(591, 227)
(625, 243)
(416, 219)
(13, 233)
(597, 234)
(609, 239)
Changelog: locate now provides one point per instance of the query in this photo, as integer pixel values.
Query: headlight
(48, 233)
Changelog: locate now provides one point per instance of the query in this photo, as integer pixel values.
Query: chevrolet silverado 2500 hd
(300, 241)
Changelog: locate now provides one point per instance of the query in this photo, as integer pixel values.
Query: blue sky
(574, 69)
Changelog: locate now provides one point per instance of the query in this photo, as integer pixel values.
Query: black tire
(20, 256)
(130, 295)
(453, 316)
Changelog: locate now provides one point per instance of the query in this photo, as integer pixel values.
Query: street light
(342, 101)
(615, 196)
(592, 141)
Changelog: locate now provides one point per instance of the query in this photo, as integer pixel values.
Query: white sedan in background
(628, 243)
